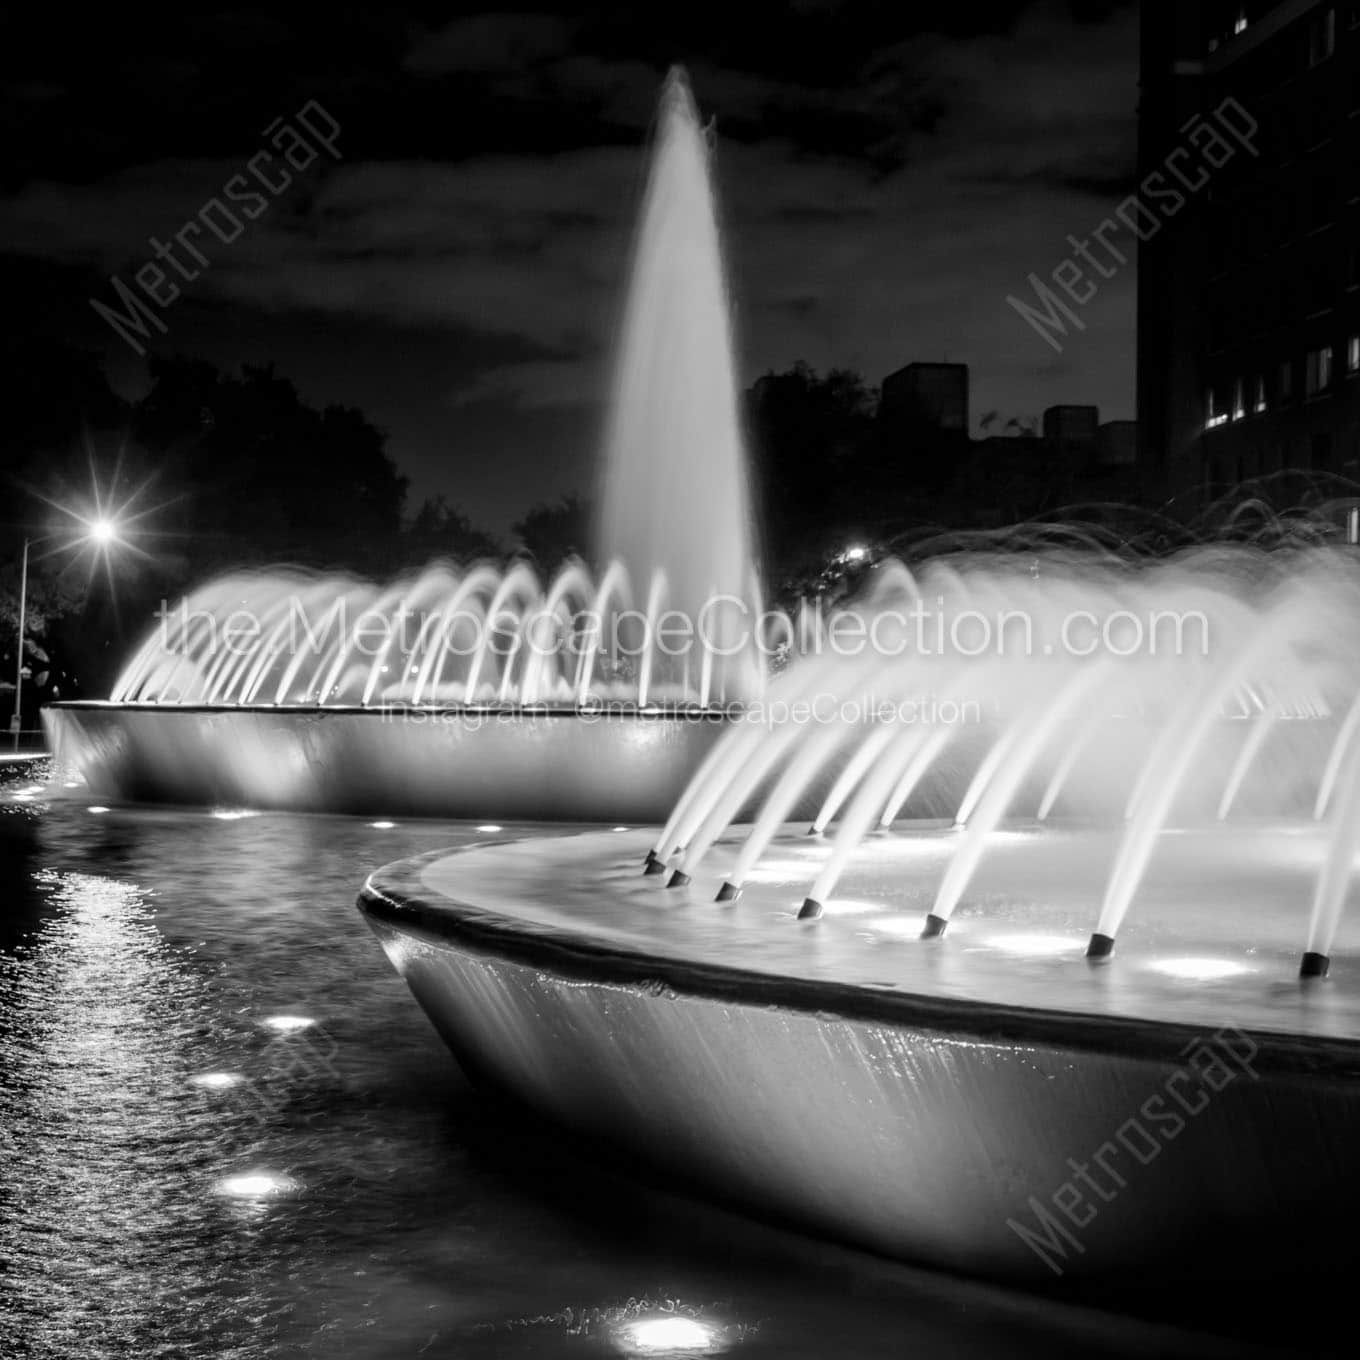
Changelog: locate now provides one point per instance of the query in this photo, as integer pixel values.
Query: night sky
(888, 173)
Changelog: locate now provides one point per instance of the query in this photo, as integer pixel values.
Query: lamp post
(16, 720)
(100, 531)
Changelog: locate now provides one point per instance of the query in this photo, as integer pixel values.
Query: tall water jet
(673, 480)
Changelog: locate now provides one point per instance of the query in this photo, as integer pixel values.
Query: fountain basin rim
(397, 896)
(522, 765)
(613, 708)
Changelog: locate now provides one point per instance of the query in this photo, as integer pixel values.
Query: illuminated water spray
(673, 480)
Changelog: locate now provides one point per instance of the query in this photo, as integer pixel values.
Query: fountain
(1065, 887)
(1057, 982)
(486, 692)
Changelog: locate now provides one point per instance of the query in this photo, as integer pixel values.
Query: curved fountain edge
(926, 1128)
(522, 763)
(396, 894)
(711, 713)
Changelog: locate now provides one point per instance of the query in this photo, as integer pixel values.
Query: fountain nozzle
(729, 892)
(934, 927)
(1314, 965)
(653, 864)
(1100, 947)
(810, 910)
(679, 879)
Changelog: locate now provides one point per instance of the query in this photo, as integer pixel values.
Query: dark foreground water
(226, 1129)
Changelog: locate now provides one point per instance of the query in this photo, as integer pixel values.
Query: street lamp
(101, 531)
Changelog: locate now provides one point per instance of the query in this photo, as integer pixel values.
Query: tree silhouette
(819, 465)
(440, 530)
(552, 533)
(261, 475)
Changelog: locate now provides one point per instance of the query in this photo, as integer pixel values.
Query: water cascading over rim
(443, 636)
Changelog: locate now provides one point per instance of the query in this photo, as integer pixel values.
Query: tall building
(1072, 428)
(1000, 478)
(1117, 444)
(935, 395)
(1249, 247)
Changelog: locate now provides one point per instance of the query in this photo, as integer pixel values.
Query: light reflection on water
(226, 1129)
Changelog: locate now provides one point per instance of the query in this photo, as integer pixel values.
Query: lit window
(1213, 416)
(1240, 24)
(1353, 354)
(1239, 404)
(1318, 376)
(1259, 404)
(1321, 37)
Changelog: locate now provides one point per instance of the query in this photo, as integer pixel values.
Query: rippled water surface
(226, 1129)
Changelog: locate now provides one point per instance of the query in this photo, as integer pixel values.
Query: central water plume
(673, 480)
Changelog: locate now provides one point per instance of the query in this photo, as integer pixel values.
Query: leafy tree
(262, 476)
(819, 464)
(552, 533)
(50, 595)
(441, 530)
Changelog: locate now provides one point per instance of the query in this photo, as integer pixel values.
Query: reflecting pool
(227, 1130)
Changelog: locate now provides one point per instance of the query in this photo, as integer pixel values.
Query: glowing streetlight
(851, 555)
(101, 531)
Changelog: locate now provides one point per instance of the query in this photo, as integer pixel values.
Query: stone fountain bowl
(991, 1101)
(530, 763)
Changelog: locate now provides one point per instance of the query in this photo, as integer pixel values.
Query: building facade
(1117, 444)
(1072, 428)
(935, 395)
(1249, 292)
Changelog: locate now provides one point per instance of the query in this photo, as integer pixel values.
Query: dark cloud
(494, 43)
